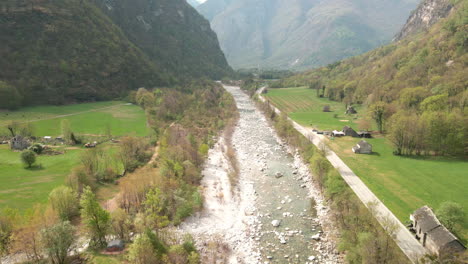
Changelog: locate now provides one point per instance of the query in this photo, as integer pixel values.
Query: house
(350, 110)
(432, 234)
(364, 134)
(115, 246)
(19, 143)
(348, 131)
(363, 147)
(336, 133)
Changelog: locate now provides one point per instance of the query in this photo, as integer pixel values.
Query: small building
(19, 143)
(348, 131)
(115, 246)
(432, 234)
(350, 110)
(363, 147)
(336, 133)
(364, 134)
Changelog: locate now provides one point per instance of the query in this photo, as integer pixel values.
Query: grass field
(402, 183)
(87, 118)
(21, 188)
(306, 108)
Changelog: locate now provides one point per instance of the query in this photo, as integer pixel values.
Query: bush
(37, 148)
(28, 157)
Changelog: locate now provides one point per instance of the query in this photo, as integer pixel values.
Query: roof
(116, 243)
(364, 143)
(442, 236)
(429, 224)
(426, 219)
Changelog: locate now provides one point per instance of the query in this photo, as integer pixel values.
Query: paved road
(405, 240)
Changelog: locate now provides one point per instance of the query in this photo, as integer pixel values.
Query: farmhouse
(348, 131)
(19, 143)
(432, 234)
(115, 246)
(363, 147)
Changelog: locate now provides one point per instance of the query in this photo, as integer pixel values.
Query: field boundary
(404, 239)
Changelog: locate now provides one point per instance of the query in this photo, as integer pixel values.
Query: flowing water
(274, 185)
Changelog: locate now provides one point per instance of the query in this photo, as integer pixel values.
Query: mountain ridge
(300, 34)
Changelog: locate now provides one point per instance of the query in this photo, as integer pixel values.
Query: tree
(154, 208)
(121, 224)
(58, 241)
(66, 130)
(64, 201)
(28, 157)
(142, 251)
(7, 219)
(379, 113)
(452, 215)
(95, 218)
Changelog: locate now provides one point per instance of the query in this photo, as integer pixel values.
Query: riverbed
(274, 214)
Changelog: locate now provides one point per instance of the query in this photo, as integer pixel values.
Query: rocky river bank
(275, 213)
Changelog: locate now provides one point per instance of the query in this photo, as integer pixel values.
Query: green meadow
(21, 188)
(402, 183)
(303, 105)
(87, 118)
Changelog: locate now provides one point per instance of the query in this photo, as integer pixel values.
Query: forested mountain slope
(60, 51)
(418, 84)
(301, 34)
(171, 33)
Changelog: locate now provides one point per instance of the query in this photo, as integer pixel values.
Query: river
(274, 214)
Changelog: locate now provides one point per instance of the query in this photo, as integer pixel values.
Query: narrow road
(403, 237)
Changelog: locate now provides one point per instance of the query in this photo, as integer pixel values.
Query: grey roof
(440, 235)
(116, 243)
(363, 143)
(426, 219)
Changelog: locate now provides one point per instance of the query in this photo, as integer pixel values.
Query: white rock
(276, 223)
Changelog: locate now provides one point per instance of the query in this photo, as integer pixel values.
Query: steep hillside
(61, 51)
(422, 77)
(428, 13)
(171, 33)
(302, 33)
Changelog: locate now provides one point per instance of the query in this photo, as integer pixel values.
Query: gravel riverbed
(275, 213)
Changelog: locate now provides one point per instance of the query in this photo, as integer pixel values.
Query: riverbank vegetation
(156, 191)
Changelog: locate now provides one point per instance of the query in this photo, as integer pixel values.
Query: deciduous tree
(95, 218)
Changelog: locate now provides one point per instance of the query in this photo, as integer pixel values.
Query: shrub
(28, 157)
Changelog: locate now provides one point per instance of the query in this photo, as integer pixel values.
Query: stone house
(363, 147)
(19, 143)
(115, 246)
(437, 239)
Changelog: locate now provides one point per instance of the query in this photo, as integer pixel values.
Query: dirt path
(405, 240)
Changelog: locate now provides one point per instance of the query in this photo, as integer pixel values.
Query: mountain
(427, 14)
(299, 34)
(422, 77)
(60, 51)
